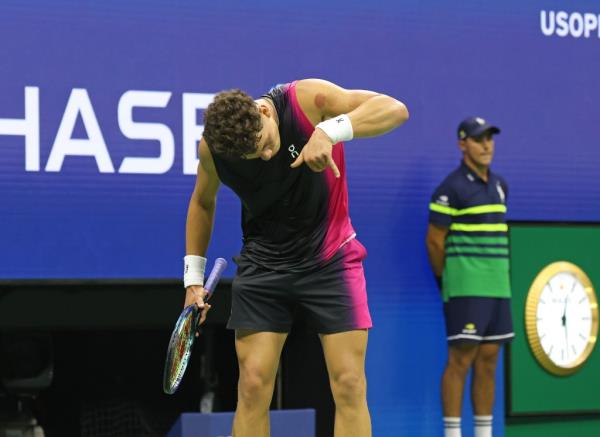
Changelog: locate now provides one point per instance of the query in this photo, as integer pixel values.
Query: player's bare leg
(484, 378)
(258, 356)
(460, 360)
(345, 357)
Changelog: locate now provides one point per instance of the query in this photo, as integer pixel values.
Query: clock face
(562, 318)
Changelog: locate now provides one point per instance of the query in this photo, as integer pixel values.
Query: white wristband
(338, 128)
(193, 270)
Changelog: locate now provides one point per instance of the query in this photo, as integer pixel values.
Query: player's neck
(480, 170)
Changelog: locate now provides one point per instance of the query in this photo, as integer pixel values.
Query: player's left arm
(339, 115)
(370, 113)
(505, 188)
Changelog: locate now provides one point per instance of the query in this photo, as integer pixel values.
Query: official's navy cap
(474, 127)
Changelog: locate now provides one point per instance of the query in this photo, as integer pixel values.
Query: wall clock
(561, 318)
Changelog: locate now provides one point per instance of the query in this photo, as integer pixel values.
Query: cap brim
(485, 128)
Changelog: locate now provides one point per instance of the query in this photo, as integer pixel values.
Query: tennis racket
(184, 334)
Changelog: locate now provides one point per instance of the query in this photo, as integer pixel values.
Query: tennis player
(283, 155)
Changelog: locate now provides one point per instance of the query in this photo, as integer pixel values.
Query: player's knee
(254, 384)
(486, 362)
(460, 363)
(349, 388)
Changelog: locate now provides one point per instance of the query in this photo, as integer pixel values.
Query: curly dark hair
(232, 124)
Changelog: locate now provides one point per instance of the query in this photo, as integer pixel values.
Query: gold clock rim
(533, 296)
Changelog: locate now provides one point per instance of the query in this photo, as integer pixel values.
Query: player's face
(268, 141)
(478, 151)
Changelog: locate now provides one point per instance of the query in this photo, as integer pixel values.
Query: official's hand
(317, 154)
(195, 295)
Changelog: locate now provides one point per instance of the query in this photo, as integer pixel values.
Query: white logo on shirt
(500, 192)
(293, 151)
(442, 200)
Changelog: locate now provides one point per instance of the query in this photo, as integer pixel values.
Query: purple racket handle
(215, 275)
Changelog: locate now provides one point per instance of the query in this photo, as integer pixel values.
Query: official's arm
(436, 237)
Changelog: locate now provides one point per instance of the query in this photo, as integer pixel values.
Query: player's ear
(462, 145)
(264, 109)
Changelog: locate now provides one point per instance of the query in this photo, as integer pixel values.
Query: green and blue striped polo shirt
(477, 254)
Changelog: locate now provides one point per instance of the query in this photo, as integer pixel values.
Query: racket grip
(215, 274)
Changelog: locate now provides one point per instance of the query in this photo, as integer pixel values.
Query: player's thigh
(345, 352)
(259, 352)
(487, 354)
(462, 354)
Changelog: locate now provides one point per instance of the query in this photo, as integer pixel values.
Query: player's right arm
(442, 207)
(436, 238)
(200, 218)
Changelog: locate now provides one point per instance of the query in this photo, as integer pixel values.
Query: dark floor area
(109, 382)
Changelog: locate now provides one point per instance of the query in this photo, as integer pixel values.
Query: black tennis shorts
(330, 299)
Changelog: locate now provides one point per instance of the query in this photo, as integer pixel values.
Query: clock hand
(564, 323)
(567, 340)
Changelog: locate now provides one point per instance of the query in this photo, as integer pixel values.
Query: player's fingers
(319, 162)
(314, 166)
(316, 163)
(203, 314)
(334, 167)
(199, 298)
(299, 160)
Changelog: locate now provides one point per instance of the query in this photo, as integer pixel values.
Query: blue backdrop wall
(101, 107)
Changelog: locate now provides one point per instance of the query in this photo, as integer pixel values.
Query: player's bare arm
(365, 114)
(202, 204)
(200, 218)
(436, 237)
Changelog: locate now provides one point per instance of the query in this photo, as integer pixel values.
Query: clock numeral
(583, 337)
(573, 287)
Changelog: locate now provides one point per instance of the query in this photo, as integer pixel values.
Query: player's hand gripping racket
(182, 338)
